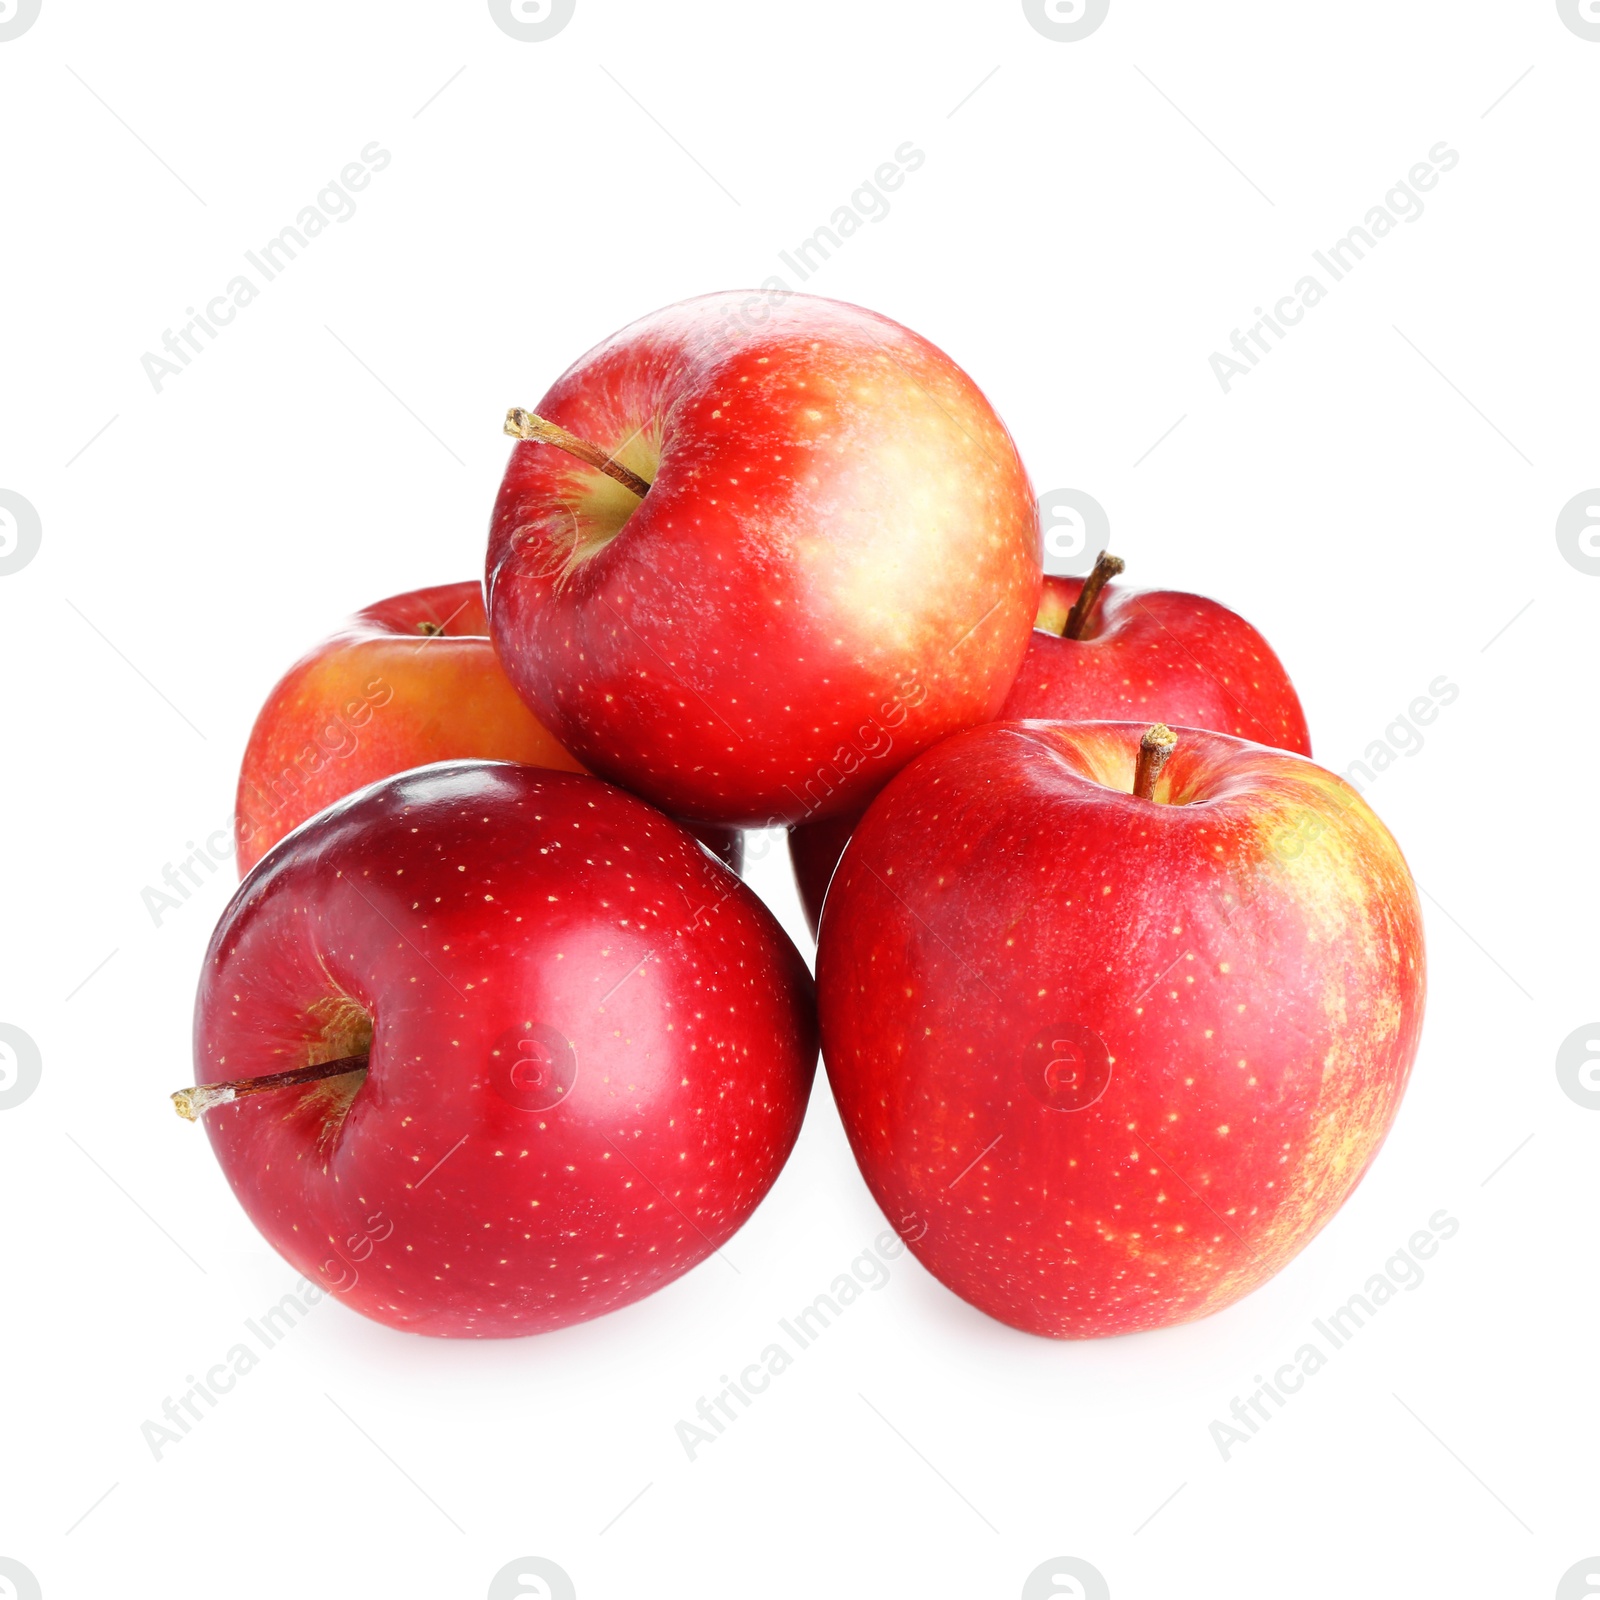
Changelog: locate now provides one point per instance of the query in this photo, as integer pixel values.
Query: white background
(1380, 496)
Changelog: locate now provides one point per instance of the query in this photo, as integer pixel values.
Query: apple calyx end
(1155, 747)
(1106, 567)
(529, 426)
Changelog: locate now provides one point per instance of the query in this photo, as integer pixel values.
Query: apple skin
(404, 683)
(1156, 654)
(1107, 1063)
(838, 558)
(591, 1048)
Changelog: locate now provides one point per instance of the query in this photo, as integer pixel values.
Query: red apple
(732, 561)
(1153, 655)
(1109, 1061)
(406, 682)
(575, 1049)
(1100, 651)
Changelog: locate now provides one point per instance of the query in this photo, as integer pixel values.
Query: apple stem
(1106, 567)
(522, 424)
(1158, 743)
(192, 1103)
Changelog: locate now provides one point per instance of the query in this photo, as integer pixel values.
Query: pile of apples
(1117, 991)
